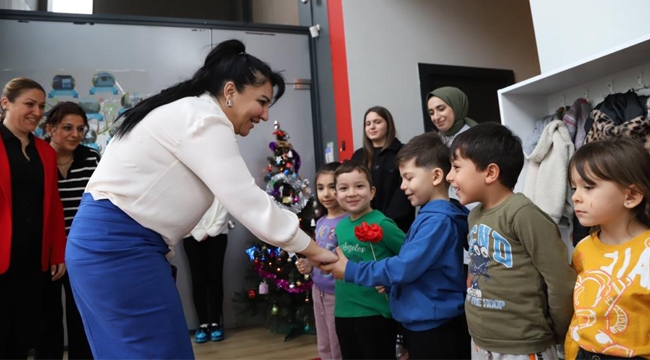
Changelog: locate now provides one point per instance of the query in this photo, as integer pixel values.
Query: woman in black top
(32, 239)
(66, 126)
(380, 146)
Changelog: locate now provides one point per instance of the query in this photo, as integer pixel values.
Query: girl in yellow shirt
(611, 182)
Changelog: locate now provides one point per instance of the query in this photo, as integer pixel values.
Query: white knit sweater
(546, 181)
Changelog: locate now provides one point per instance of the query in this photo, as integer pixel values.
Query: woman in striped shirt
(65, 127)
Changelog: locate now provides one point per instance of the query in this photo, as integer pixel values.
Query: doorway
(480, 85)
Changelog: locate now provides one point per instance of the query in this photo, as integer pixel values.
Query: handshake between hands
(336, 267)
(327, 262)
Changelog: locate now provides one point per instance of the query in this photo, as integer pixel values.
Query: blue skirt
(123, 286)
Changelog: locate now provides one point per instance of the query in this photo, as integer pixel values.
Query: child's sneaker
(201, 334)
(216, 332)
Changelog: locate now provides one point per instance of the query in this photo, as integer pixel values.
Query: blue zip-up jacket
(426, 279)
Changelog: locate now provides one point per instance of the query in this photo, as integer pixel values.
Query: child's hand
(381, 289)
(304, 267)
(318, 255)
(337, 268)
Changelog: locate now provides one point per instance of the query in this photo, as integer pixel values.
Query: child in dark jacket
(427, 286)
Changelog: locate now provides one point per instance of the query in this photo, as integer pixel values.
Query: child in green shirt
(363, 321)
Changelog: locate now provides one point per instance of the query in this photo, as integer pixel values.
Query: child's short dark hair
(491, 143)
(428, 150)
(349, 166)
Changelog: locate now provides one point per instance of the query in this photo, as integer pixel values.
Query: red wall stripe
(340, 79)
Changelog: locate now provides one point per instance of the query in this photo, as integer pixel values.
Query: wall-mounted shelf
(619, 69)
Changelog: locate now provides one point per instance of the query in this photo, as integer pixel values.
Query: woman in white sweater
(173, 154)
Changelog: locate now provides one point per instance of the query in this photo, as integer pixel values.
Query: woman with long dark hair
(173, 154)
(380, 147)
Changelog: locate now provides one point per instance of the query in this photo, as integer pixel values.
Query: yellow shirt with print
(611, 299)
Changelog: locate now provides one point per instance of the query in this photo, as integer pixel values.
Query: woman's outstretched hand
(318, 256)
(336, 268)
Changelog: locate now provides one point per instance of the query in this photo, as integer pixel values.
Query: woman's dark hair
(226, 62)
(368, 147)
(15, 87)
(61, 110)
(329, 168)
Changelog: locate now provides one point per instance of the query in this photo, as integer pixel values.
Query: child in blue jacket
(427, 285)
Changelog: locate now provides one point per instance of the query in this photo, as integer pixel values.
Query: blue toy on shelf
(103, 82)
(63, 85)
(90, 139)
(128, 101)
(92, 109)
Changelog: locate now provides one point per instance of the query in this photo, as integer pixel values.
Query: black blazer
(389, 198)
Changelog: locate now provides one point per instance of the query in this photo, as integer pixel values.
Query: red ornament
(251, 294)
(369, 233)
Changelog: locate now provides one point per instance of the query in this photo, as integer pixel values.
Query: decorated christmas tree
(278, 290)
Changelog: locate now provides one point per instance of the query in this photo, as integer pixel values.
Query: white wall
(386, 39)
(569, 31)
(19, 4)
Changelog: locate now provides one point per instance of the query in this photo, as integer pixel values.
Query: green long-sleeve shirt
(353, 300)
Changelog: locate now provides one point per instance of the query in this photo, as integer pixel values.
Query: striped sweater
(72, 187)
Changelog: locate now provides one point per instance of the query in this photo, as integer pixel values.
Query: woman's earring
(229, 103)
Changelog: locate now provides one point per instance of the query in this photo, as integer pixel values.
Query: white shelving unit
(619, 69)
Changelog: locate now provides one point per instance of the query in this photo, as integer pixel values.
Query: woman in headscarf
(448, 107)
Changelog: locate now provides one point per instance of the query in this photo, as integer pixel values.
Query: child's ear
(373, 190)
(492, 173)
(438, 176)
(633, 197)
